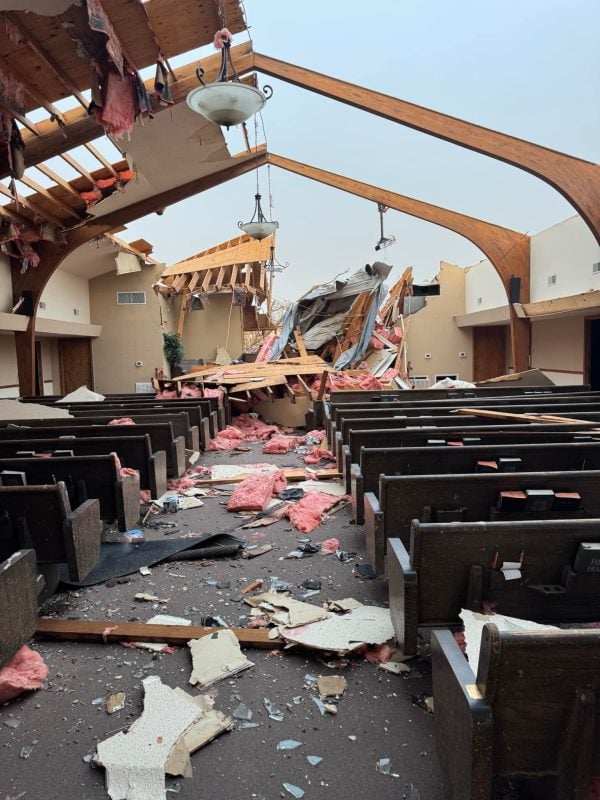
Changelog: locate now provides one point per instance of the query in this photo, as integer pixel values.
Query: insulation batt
(166, 394)
(254, 493)
(243, 429)
(25, 672)
(307, 514)
(279, 444)
(122, 421)
(318, 454)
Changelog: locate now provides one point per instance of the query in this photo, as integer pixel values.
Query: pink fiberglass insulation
(307, 514)
(145, 496)
(122, 421)
(25, 672)
(254, 492)
(181, 484)
(329, 546)
(226, 439)
(124, 471)
(279, 444)
(317, 454)
(254, 429)
(218, 392)
(166, 394)
(191, 390)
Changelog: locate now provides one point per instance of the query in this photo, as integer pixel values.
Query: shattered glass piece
(244, 725)
(309, 679)
(11, 722)
(278, 585)
(26, 751)
(175, 788)
(309, 547)
(309, 594)
(295, 791)
(288, 744)
(297, 700)
(224, 584)
(320, 705)
(273, 712)
(295, 554)
(311, 584)
(88, 758)
(384, 765)
(98, 701)
(314, 760)
(242, 712)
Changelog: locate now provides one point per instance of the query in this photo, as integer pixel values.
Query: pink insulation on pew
(124, 471)
(166, 394)
(218, 392)
(191, 390)
(254, 492)
(122, 421)
(25, 672)
(307, 514)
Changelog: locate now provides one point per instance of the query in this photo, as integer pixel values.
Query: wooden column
(577, 180)
(506, 249)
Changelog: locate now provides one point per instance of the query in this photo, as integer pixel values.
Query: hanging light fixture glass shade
(259, 226)
(227, 102)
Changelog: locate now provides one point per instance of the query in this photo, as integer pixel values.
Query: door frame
(61, 360)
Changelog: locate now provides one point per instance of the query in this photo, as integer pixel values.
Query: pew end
(403, 595)
(19, 589)
(375, 533)
(357, 494)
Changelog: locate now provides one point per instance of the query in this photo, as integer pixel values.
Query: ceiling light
(259, 226)
(226, 102)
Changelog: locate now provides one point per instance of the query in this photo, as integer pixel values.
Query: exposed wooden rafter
(31, 206)
(60, 207)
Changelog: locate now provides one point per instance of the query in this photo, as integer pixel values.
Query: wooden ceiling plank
(60, 207)
(31, 206)
(158, 42)
(33, 93)
(77, 167)
(99, 157)
(45, 56)
(22, 118)
(126, 52)
(59, 181)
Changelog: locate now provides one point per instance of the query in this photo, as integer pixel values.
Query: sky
(529, 68)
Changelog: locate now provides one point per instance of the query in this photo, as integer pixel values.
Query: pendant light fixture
(259, 226)
(227, 101)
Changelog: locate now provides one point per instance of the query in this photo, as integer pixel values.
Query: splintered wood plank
(300, 343)
(541, 418)
(292, 474)
(115, 631)
(262, 383)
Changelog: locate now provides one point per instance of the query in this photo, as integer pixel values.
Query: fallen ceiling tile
(364, 625)
(216, 657)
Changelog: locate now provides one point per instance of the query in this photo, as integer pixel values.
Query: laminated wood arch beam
(506, 249)
(52, 254)
(576, 179)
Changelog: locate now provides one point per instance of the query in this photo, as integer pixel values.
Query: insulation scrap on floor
(254, 493)
(344, 633)
(307, 514)
(216, 657)
(211, 724)
(135, 761)
(280, 444)
(295, 612)
(25, 672)
(318, 454)
(245, 428)
(474, 622)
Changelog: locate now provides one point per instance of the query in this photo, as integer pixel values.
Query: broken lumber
(543, 418)
(80, 630)
(298, 474)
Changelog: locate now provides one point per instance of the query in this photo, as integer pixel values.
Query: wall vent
(420, 381)
(131, 298)
(552, 280)
(43, 305)
(595, 269)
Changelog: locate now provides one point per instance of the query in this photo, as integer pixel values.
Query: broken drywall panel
(335, 488)
(14, 410)
(341, 634)
(216, 657)
(223, 472)
(331, 686)
(82, 395)
(211, 724)
(298, 613)
(135, 761)
(474, 622)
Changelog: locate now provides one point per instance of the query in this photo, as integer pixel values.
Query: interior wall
(219, 324)
(483, 288)
(130, 333)
(432, 330)
(65, 294)
(6, 301)
(557, 348)
(9, 378)
(567, 250)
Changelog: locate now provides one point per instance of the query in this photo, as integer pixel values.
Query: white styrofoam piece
(342, 633)
(135, 762)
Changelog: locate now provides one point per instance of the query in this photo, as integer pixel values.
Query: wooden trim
(576, 179)
(566, 371)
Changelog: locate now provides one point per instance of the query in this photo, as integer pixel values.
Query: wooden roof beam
(59, 181)
(81, 128)
(60, 207)
(101, 159)
(55, 114)
(72, 162)
(32, 207)
(576, 179)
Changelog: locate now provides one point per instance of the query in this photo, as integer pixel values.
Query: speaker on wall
(514, 290)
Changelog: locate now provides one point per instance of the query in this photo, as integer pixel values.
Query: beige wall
(6, 302)
(433, 330)
(557, 347)
(9, 377)
(130, 333)
(219, 324)
(65, 293)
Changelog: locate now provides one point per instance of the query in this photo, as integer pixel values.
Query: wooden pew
(488, 434)
(133, 451)
(179, 421)
(407, 497)
(87, 476)
(530, 710)
(374, 462)
(449, 567)
(41, 518)
(19, 589)
(160, 433)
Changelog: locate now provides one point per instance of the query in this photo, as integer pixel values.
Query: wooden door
(489, 352)
(75, 356)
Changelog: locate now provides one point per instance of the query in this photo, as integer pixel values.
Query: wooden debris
(539, 418)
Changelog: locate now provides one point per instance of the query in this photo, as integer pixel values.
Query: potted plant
(173, 350)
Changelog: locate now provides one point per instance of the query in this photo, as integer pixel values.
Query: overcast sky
(530, 68)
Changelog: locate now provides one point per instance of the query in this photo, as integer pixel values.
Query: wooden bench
(160, 433)
(449, 567)
(133, 451)
(471, 497)
(41, 518)
(180, 422)
(530, 710)
(19, 589)
(87, 476)
(487, 434)
(364, 477)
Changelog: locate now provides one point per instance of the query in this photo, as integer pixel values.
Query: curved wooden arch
(507, 250)
(576, 179)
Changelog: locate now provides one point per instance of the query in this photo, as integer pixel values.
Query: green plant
(173, 349)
